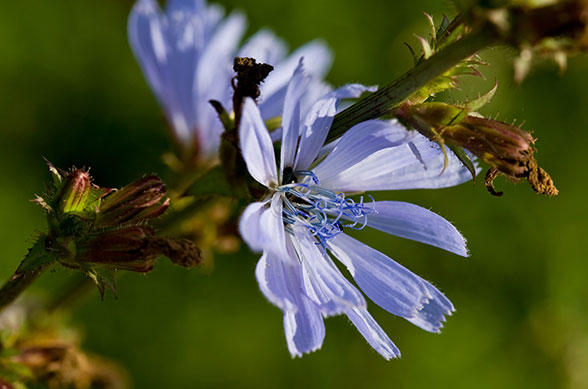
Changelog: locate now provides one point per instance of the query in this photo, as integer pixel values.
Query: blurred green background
(71, 91)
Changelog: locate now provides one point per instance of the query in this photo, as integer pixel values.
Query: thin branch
(18, 283)
(380, 102)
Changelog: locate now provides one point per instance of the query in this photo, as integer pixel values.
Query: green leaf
(95, 196)
(37, 257)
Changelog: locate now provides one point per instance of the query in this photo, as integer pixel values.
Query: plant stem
(18, 283)
(380, 102)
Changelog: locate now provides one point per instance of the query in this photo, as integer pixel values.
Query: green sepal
(464, 159)
(438, 114)
(89, 203)
(43, 203)
(103, 278)
(37, 257)
(448, 80)
(55, 174)
(477, 103)
(433, 41)
(427, 49)
(447, 33)
(228, 120)
(93, 200)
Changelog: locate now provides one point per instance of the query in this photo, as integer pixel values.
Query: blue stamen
(320, 210)
(307, 173)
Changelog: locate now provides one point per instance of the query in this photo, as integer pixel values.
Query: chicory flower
(302, 222)
(186, 53)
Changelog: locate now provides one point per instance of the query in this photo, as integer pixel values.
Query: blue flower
(186, 54)
(302, 224)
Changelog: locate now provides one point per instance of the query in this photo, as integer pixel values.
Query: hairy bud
(140, 200)
(133, 248)
(126, 249)
(506, 148)
(97, 230)
(75, 192)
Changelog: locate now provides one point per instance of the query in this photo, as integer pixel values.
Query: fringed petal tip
(433, 314)
(294, 353)
(304, 328)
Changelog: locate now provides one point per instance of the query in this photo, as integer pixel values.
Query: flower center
(321, 211)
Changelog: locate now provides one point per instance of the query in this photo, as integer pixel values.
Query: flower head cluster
(186, 55)
(302, 222)
(98, 230)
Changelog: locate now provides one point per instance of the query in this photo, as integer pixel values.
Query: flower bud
(126, 248)
(74, 193)
(140, 200)
(97, 230)
(506, 148)
(133, 248)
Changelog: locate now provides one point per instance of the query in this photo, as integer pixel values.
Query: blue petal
(413, 222)
(189, 6)
(323, 282)
(415, 164)
(361, 142)
(280, 280)
(185, 55)
(149, 41)
(220, 50)
(271, 279)
(261, 226)
(318, 122)
(373, 333)
(256, 145)
(432, 316)
(291, 116)
(388, 284)
(304, 328)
